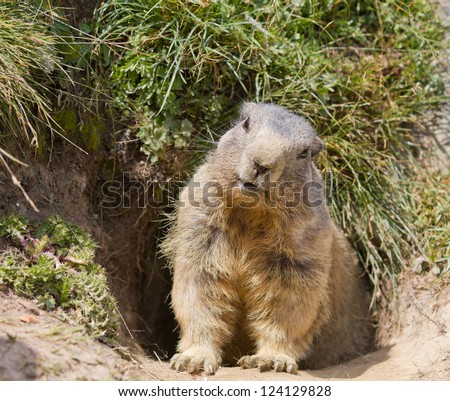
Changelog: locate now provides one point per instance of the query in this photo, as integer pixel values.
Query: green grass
(54, 264)
(45, 70)
(359, 70)
(28, 59)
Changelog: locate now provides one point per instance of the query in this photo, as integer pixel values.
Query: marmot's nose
(261, 169)
(249, 186)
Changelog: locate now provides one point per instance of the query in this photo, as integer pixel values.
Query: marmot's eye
(303, 154)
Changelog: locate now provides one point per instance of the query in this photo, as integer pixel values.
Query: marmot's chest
(254, 247)
(253, 236)
(246, 226)
(248, 248)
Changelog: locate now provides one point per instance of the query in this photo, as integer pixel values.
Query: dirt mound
(37, 345)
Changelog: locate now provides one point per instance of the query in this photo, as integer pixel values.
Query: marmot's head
(270, 146)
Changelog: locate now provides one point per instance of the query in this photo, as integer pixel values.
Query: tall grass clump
(359, 70)
(28, 59)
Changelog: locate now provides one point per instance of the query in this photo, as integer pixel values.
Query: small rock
(35, 311)
(28, 319)
(435, 270)
(417, 264)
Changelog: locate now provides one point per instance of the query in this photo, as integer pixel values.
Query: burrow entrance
(133, 224)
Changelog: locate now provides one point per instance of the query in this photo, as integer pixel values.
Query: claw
(210, 370)
(279, 363)
(179, 366)
(264, 364)
(291, 368)
(195, 361)
(279, 366)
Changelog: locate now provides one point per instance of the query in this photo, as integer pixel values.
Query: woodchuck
(261, 275)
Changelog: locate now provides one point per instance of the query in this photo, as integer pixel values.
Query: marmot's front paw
(279, 363)
(195, 362)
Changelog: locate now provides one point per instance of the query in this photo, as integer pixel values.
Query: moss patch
(67, 120)
(87, 131)
(91, 133)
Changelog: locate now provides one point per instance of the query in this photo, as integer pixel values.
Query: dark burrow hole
(132, 229)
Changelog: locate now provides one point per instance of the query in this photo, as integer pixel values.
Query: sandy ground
(418, 350)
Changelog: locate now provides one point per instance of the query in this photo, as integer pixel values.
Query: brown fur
(268, 278)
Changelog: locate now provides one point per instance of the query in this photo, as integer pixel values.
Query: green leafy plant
(54, 263)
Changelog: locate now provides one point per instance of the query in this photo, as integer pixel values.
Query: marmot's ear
(246, 110)
(246, 124)
(317, 147)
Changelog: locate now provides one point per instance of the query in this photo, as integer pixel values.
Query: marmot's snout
(253, 175)
(261, 164)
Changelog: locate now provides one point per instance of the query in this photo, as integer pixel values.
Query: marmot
(260, 271)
